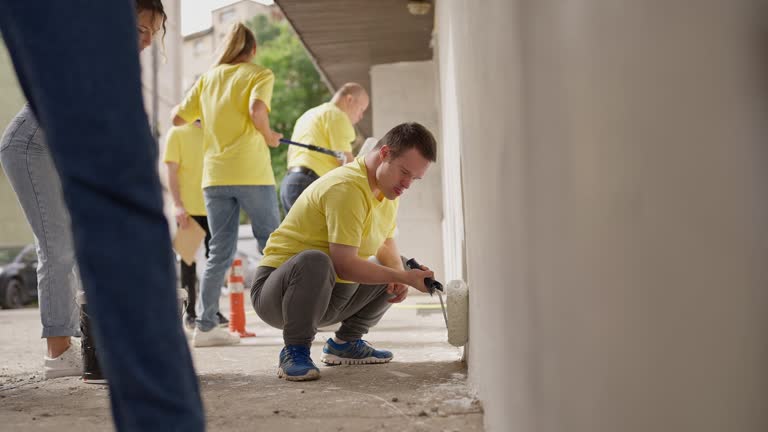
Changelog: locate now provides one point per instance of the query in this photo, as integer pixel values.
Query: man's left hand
(400, 292)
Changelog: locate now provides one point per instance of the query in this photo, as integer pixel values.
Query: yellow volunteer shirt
(184, 146)
(235, 152)
(337, 208)
(324, 126)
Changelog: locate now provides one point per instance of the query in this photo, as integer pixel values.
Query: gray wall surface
(615, 170)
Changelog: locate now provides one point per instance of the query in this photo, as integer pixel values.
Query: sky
(196, 14)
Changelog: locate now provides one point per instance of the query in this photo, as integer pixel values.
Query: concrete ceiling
(346, 37)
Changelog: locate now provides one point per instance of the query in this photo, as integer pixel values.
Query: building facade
(200, 48)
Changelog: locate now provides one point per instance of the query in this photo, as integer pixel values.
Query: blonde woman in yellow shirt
(233, 102)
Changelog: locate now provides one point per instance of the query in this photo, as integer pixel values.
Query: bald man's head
(353, 100)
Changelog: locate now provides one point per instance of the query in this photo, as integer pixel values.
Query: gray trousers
(302, 295)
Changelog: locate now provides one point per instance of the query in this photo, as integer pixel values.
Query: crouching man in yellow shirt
(315, 271)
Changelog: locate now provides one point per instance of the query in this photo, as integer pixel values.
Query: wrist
(401, 276)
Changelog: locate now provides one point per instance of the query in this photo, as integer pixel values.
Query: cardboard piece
(188, 241)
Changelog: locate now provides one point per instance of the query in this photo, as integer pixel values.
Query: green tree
(264, 29)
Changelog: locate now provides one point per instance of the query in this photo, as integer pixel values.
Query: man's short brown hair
(406, 136)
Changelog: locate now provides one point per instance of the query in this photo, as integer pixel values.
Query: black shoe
(91, 368)
(189, 322)
(223, 322)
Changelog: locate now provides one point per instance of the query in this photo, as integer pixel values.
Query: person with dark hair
(78, 65)
(330, 125)
(316, 269)
(27, 162)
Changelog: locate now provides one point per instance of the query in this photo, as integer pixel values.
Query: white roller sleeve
(367, 146)
(181, 296)
(457, 305)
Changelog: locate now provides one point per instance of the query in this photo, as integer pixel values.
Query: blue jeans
(30, 170)
(292, 186)
(223, 204)
(78, 66)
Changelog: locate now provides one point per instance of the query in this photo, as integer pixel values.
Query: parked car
(18, 276)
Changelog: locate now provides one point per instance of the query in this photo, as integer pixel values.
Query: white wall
(616, 215)
(405, 92)
(454, 254)
(481, 101)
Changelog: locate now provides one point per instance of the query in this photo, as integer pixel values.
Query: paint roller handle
(430, 283)
(337, 154)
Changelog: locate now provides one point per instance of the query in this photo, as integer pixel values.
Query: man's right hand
(274, 139)
(416, 279)
(182, 218)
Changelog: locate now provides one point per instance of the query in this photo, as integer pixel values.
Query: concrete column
(406, 92)
(616, 216)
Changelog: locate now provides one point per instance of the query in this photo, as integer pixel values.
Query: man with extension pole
(328, 126)
(316, 269)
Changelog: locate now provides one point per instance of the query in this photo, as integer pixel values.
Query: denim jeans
(292, 186)
(77, 64)
(28, 165)
(223, 204)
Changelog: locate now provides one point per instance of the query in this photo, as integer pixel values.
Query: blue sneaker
(357, 352)
(296, 365)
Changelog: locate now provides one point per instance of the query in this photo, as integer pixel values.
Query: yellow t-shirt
(337, 208)
(184, 146)
(324, 126)
(235, 152)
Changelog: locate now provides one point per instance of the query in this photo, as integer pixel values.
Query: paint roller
(457, 299)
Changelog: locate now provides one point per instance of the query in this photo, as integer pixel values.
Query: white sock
(339, 341)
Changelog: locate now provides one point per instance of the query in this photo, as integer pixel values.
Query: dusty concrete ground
(423, 389)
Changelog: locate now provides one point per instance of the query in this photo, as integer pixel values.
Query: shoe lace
(298, 353)
(361, 347)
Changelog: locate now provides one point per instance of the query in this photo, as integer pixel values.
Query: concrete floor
(423, 389)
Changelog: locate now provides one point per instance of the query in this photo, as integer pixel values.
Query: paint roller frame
(456, 308)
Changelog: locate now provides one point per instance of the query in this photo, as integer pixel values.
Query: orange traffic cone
(236, 303)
